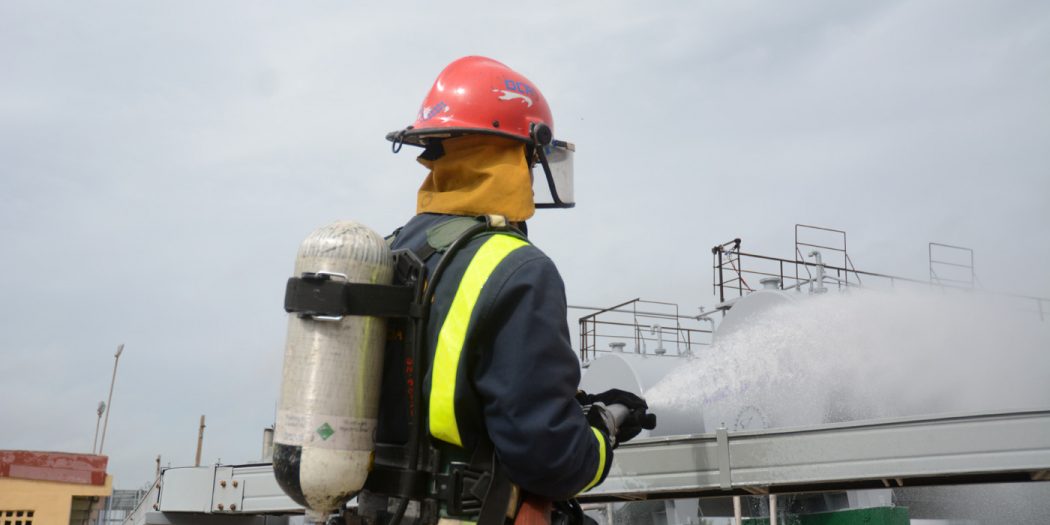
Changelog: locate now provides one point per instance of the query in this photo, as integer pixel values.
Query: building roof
(63, 467)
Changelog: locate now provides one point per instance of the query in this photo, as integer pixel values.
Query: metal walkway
(888, 453)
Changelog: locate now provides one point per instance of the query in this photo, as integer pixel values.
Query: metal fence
(640, 326)
(819, 264)
(821, 261)
(116, 508)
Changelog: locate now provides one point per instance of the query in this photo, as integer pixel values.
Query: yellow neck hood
(478, 175)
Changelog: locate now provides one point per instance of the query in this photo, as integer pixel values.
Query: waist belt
(462, 489)
(478, 490)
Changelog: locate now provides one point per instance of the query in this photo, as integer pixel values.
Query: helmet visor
(554, 188)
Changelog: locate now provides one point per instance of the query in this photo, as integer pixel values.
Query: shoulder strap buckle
(498, 222)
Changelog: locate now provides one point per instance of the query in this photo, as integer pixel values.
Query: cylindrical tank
(748, 309)
(326, 417)
(637, 373)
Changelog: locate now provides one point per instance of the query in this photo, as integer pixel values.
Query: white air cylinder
(326, 418)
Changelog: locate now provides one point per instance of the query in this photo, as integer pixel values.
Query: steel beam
(901, 452)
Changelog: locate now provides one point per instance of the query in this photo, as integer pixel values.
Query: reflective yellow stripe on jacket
(453, 333)
(601, 460)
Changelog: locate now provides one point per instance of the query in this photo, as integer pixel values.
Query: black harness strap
(318, 294)
(494, 489)
(480, 488)
(398, 482)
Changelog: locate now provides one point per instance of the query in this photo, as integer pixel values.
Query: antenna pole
(200, 442)
(109, 401)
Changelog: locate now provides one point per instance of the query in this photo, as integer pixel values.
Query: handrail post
(721, 279)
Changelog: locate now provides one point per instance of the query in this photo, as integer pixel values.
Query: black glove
(634, 423)
(636, 420)
(613, 396)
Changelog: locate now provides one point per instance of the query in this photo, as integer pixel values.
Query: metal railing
(650, 327)
(732, 268)
(791, 273)
(117, 507)
(805, 249)
(728, 272)
(658, 328)
(955, 265)
(727, 262)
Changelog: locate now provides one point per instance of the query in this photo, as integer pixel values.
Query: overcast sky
(162, 161)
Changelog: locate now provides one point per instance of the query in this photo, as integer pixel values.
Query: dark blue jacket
(517, 376)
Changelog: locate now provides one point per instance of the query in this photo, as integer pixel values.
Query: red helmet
(479, 95)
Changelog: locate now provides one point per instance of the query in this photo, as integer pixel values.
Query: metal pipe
(819, 279)
(616, 309)
(267, 447)
(737, 514)
(594, 321)
(832, 248)
(951, 246)
(109, 402)
(957, 265)
(659, 331)
(709, 320)
(772, 509)
(609, 309)
(824, 228)
(721, 280)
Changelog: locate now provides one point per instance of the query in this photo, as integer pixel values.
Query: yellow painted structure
(51, 502)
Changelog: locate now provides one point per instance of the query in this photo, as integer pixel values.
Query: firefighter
(502, 375)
